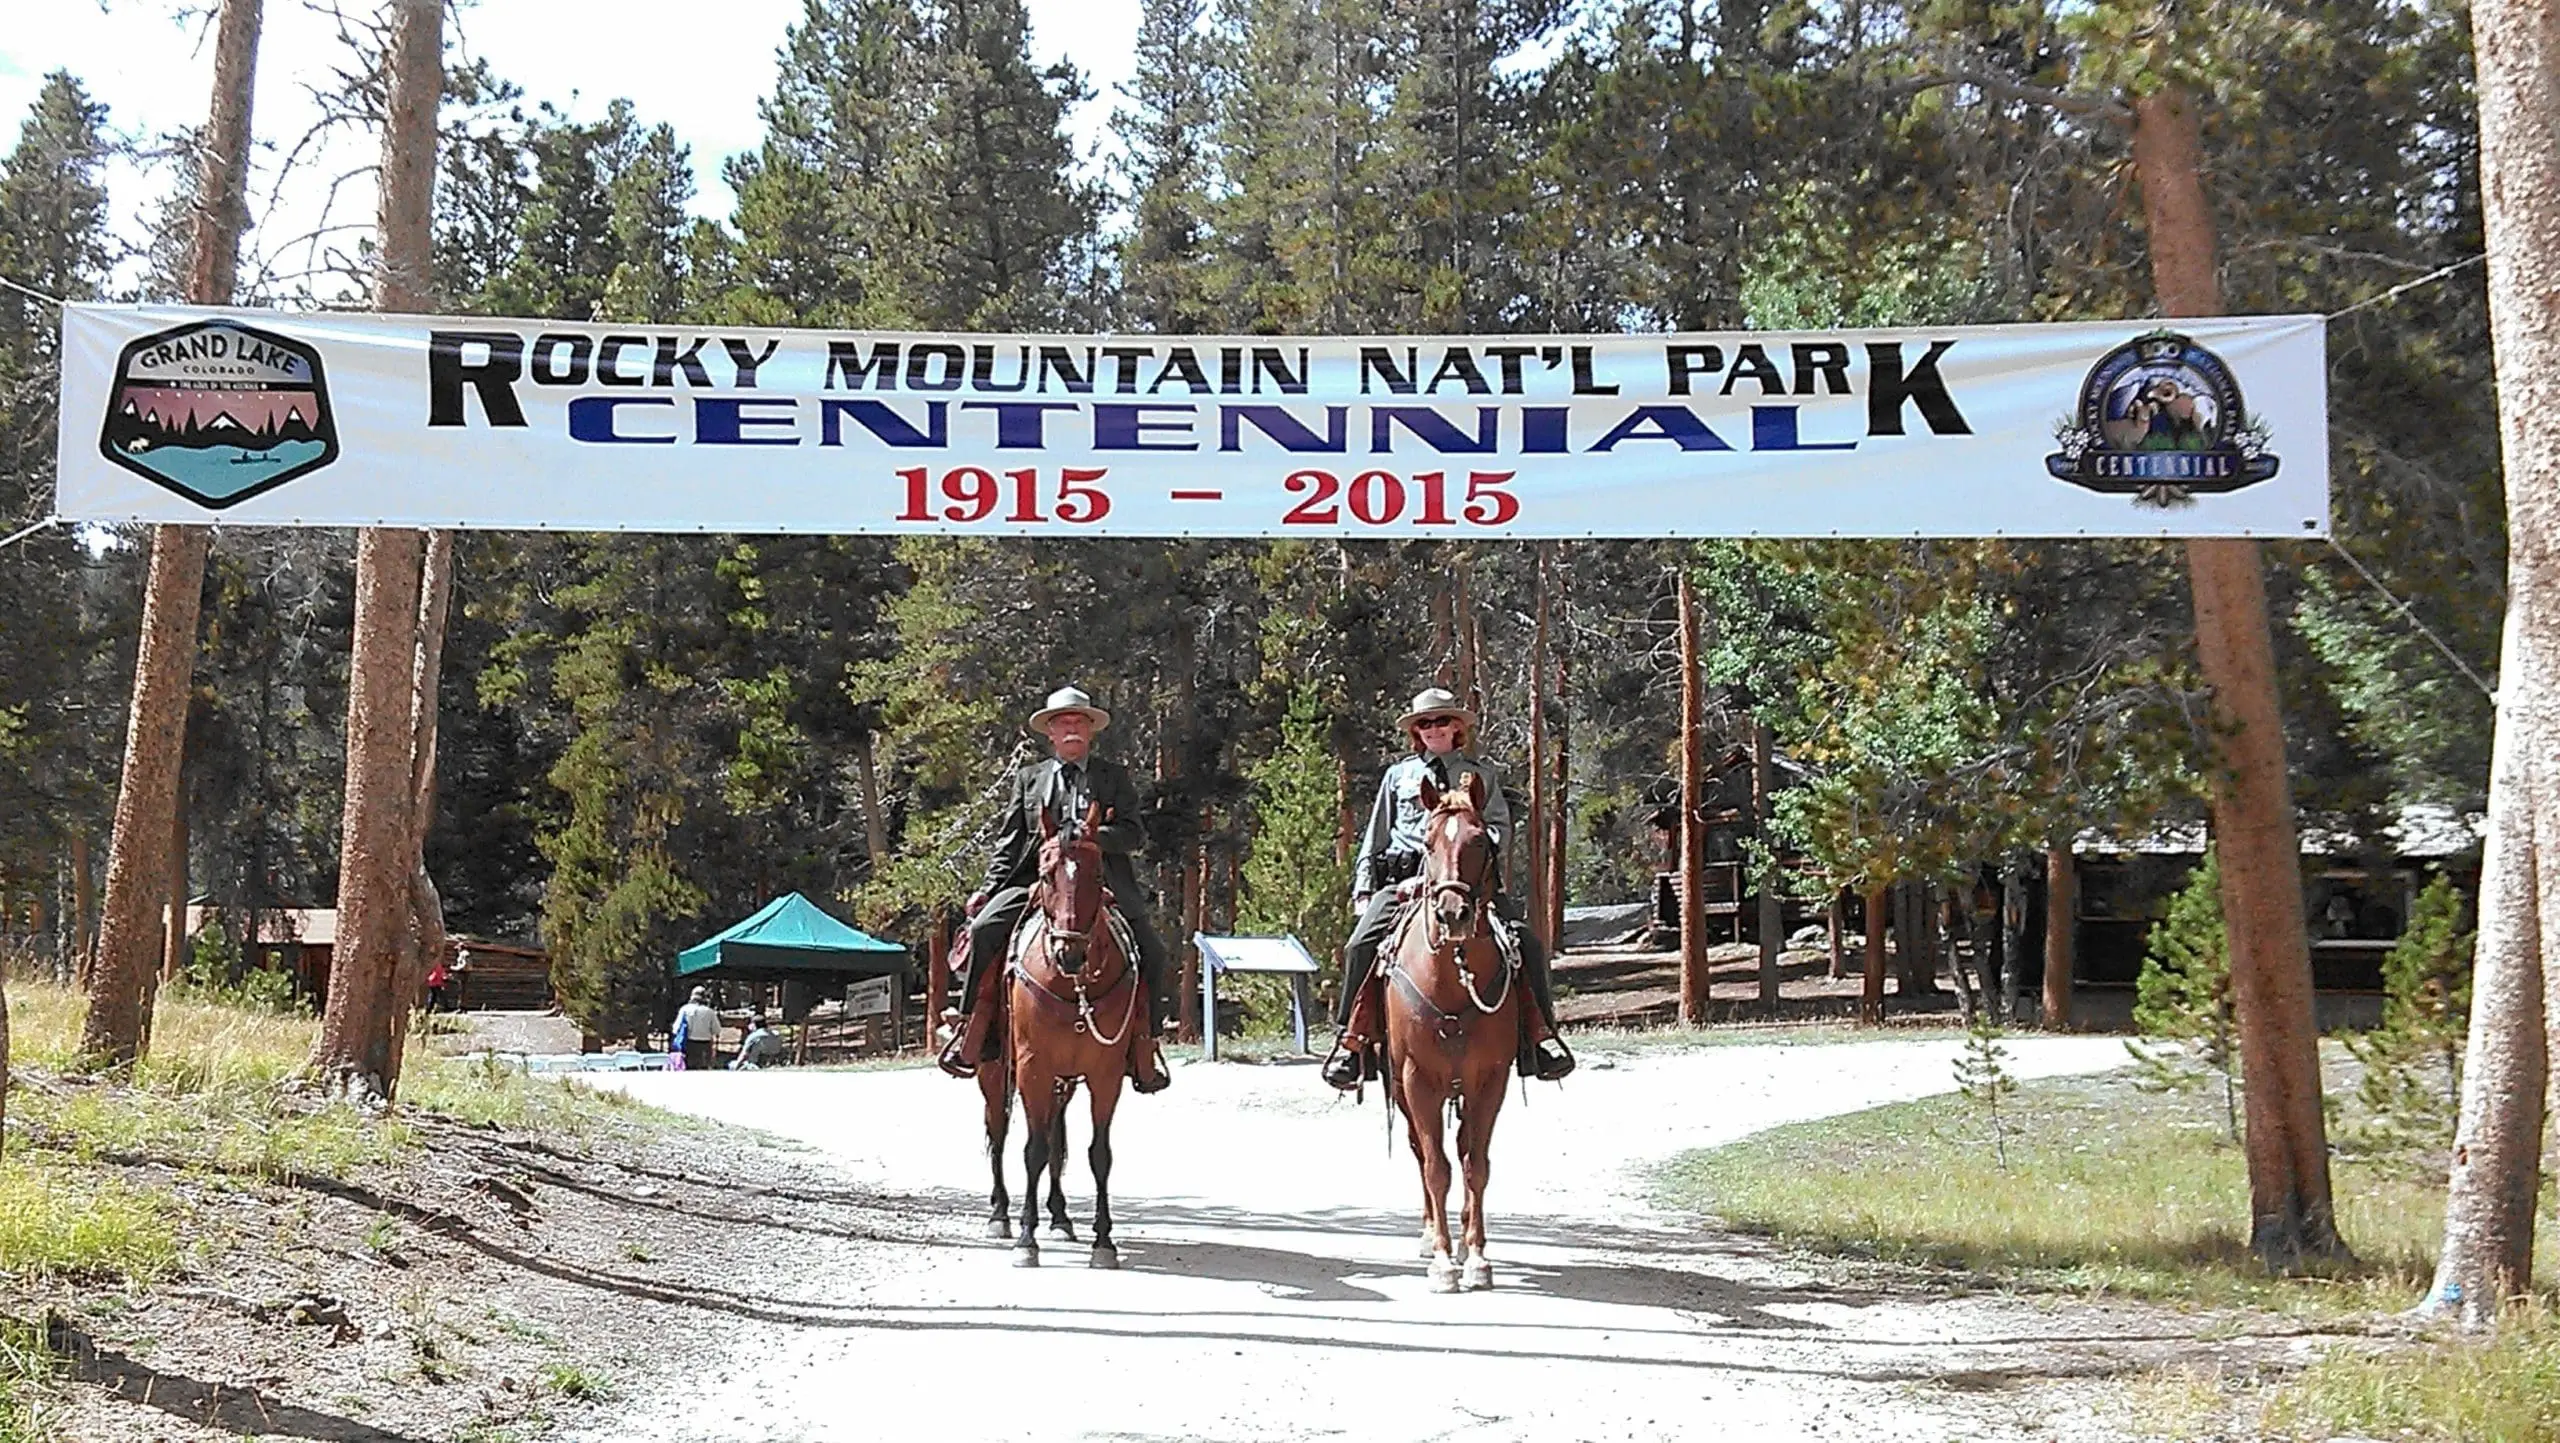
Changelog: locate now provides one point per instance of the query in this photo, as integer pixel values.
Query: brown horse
(995, 1092)
(1453, 1023)
(1072, 1011)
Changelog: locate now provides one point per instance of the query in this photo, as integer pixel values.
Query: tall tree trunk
(1831, 939)
(4, 1058)
(2288, 1146)
(129, 937)
(2515, 1005)
(1772, 912)
(353, 1054)
(84, 902)
(426, 940)
(875, 827)
(2013, 935)
(1559, 798)
(1693, 829)
(173, 955)
(1538, 735)
(378, 858)
(2061, 934)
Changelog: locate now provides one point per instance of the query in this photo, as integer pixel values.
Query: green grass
(2109, 1190)
(2505, 1389)
(61, 1220)
(569, 1380)
(27, 1371)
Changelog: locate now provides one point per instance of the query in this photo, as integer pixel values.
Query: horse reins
(1478, 906)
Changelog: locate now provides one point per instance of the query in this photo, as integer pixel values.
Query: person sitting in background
(763, 1047)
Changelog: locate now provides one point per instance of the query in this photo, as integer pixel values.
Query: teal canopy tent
(790, 940)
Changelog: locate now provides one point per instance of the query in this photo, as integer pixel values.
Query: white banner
(2136, 428)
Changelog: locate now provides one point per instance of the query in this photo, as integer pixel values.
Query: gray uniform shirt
(1395, 820)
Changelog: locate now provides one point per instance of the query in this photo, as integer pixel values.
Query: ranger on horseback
(1058, 791)
(1386, 875)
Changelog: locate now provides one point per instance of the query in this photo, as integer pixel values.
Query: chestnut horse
(1453, 1022)
(1072, 1000)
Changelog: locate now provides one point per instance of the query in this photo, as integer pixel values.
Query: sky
(700, 68)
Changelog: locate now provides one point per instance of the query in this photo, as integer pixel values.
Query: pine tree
(2183, 996)
(1294, 881)
(2413, 1061)
(1167, 159)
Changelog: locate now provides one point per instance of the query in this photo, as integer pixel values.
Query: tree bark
(353, 1054)
(2061, 906)
(173, 955)
(1693, 830)
(130, 936)
(84, 903)
(1831, 938)
(1195, 904)
(426, 940)
(164, 667)
(2288, 1147)
(1538, 736)
(4, 1058)
(1559, 794)
(1772, 912)
(2013, 936)
(875, 827)
(379, 903)
(2515, 1006)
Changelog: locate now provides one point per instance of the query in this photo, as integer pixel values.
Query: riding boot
(1349, 1063)
(1542, 1051)
(1147, 1072)
(976, 1036)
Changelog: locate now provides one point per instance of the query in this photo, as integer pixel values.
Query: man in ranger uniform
(1388, 873)
(1059, 789)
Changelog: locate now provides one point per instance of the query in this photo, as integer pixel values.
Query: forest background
(643, 738)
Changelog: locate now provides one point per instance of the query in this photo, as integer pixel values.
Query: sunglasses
(1434, 723)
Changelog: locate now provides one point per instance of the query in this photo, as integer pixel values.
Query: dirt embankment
(484, 1286)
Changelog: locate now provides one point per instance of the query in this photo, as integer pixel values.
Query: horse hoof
(1105, 1257)
(1026, 1257)
(999, 1228)
(1063, 1229)
(1444, 1275)
(1479, 1275)
(1429, 1248)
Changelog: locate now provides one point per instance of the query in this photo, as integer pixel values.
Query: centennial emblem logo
(2160, 418)
(219, 412)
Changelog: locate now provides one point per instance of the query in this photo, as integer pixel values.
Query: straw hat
(1066, 699)
(1432, 702)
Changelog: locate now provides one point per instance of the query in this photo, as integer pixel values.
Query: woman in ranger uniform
(1388, 872)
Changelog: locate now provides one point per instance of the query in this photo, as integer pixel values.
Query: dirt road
(1270, 1288)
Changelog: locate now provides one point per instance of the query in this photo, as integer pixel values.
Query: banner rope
(2410, 614)
(27, 290)
(2393, 294)
(17, 537)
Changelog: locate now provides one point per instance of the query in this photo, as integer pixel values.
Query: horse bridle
(1473, 893)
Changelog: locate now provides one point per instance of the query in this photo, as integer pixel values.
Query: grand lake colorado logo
(219, 412)
(2160, 417)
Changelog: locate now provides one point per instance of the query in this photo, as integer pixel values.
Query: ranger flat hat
(1067, 699)
(1435, 701)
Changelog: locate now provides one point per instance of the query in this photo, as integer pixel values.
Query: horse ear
(1048, 825)
(1475, 789)
(1092, 818)
(1430, 793)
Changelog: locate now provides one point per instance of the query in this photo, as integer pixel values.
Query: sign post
(1282, 954)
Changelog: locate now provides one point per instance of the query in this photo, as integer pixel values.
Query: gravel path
(1270, 1288)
